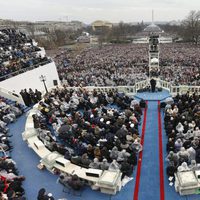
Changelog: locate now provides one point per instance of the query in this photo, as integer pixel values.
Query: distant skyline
(88, 11)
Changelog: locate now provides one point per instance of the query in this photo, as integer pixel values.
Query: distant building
(142, 37)
(153, 28)
(41, 27)
(58, 25)
(99, 25)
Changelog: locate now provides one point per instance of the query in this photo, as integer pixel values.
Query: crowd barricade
(140, 85)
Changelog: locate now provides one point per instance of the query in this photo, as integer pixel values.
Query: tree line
(188, 30)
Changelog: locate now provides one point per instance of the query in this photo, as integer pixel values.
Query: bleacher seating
(18, 54)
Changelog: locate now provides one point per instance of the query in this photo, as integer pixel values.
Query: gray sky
(91, 10)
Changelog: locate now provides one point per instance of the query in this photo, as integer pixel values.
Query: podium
(187, 182)
(110, 182)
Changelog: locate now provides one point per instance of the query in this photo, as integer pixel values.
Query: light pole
(43, 79)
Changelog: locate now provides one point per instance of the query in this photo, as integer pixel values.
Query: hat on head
(50, 195)
(102, 119)
(91, 116)
(108, 122)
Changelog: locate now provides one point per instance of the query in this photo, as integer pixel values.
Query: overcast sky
(91, 10)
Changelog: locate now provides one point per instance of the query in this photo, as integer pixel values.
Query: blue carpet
(149, 178)
(150, 96)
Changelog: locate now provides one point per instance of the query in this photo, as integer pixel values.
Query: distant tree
(103, 34)
(191, 26)
(171, 29)
(31, 29)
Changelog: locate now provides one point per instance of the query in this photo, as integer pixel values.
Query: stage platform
(153, 96)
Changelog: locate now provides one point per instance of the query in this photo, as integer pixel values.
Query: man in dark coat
(153, 84)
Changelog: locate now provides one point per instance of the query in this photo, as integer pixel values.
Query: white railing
(141, 85)
(182, 89)
(165, 85)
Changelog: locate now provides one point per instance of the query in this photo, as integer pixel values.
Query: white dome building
(153, 28)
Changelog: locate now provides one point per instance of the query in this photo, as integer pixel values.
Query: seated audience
(91, 134)
(182, 126)
(18, 54)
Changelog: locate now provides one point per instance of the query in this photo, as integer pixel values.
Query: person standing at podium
(153, 84)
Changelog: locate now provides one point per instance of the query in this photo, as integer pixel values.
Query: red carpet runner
(137, 183)
(162, 191)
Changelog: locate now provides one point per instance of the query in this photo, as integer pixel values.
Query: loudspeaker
(55, 82)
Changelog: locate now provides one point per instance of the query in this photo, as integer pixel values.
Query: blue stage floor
(153, 96)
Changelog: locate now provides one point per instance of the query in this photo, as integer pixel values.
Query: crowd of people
(180, 63)
(10, 180)
(30, 97)
(17, 53)
(182, 122)
(106, 66)
(91, 129)
(115, 65)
